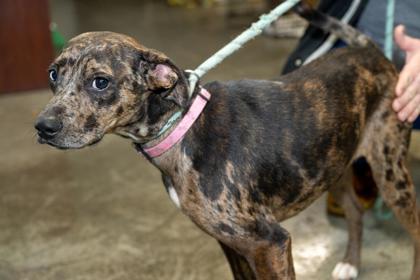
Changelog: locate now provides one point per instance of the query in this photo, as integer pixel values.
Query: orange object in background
(25, 45)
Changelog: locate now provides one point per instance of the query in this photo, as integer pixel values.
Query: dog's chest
(174, 196)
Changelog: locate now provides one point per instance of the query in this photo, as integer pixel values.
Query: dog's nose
(48, 127)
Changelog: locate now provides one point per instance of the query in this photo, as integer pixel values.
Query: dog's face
(103, 82)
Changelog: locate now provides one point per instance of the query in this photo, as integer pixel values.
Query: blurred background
(102, 212)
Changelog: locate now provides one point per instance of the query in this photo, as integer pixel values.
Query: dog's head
(105, 82)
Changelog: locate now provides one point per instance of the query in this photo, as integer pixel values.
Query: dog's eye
(100, 83)
(53, 75)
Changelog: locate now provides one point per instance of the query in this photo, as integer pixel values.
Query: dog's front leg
(273, 260)
(238, 264)
(269, 252)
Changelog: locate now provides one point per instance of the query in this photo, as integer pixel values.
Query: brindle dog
(260, 152)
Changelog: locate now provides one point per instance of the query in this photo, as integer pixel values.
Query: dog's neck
(155, 123)
(147, 130)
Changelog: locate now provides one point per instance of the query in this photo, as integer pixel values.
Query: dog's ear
(164, 78)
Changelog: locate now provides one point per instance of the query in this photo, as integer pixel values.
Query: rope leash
(256, 29)
(381, 211)
(253, 31)
(389, 28)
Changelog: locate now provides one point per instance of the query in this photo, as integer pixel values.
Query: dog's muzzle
(48, 127)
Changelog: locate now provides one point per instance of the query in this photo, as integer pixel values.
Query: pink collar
(182, 127)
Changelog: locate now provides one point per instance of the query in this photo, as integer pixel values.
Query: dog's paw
(344, 271)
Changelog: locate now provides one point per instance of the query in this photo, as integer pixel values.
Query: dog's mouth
(66, 146)
(52, 143)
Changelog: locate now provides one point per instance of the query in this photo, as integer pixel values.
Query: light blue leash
(249, 34)
(256, 29)
(389, 29)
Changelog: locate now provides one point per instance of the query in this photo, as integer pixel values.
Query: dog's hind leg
(387, 159)
(238, 264)
(346, 197)
(399, 194)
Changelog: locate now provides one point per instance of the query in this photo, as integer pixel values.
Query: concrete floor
(102, 212)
